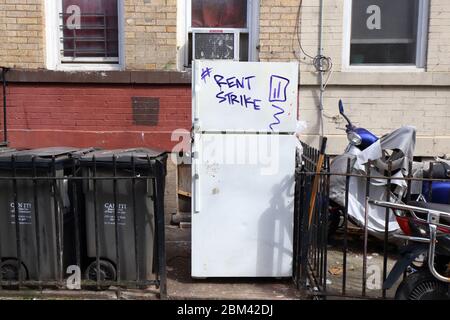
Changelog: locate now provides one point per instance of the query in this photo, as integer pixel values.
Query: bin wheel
(10, 270)
(107, 271)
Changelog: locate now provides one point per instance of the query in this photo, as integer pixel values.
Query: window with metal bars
(89, 31)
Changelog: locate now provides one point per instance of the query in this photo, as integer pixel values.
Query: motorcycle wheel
(422, 285)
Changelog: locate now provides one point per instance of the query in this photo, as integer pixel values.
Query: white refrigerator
(243, 163)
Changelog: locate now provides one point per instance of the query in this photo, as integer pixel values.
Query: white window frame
(54, 61)
(421, 44)
(184, 27)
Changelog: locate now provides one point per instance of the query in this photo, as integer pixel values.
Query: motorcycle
(433, 191)
(424, 223)
(392, 152)
(426, 227)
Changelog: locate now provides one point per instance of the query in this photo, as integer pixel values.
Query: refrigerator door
(245, 96)
(242, 211)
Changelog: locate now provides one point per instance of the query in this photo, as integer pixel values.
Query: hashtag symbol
(206, 73)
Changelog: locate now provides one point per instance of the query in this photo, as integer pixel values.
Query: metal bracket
(431, 251)
(196, 126)
(415, 239)
(433, 217)
(433, 220)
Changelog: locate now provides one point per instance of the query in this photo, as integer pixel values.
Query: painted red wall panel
(93, 115)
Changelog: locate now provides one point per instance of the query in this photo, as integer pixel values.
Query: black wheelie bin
(36, 219)
(133, 203)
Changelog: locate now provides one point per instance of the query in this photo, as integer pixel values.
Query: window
(89, 30)
(83, 34)
(220, 29)
(387, 33)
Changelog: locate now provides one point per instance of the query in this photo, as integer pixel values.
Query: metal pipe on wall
(5, 131)
(320, 54)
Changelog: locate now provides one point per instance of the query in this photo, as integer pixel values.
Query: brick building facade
(153, 33)
(56, 99)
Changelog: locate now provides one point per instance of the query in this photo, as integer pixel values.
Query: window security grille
(95, 39)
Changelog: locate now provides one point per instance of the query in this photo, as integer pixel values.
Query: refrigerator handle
(196, 193)
(195, 178)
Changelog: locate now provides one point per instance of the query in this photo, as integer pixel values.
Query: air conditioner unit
(213, 44)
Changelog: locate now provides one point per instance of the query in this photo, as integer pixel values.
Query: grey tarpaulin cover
(403, 139)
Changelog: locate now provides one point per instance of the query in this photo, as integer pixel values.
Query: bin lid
(5, 149)
(124, 156)
(81, 152)
(43, 157)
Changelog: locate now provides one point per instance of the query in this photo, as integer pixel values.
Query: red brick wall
(93, 115)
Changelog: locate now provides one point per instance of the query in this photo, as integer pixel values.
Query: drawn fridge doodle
(206, 73)
(276, 116)
(242, 91)
(278, 89)
(277, 93)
